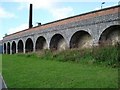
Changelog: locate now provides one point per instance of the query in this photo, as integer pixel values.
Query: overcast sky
(14, 13)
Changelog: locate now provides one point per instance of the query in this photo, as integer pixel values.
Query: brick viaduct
(82, 31)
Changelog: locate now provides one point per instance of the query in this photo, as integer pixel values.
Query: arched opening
(81, 39)
(29, 45)
(13, 47)
(110, 36)
(4, 48)
(41, 43)
(58, 43)
(20, 46)
(8, 48)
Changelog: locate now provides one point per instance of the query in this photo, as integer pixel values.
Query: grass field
(31, 71)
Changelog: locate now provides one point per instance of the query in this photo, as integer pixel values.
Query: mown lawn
(25, 71)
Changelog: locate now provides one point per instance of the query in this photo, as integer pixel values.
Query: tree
(5, 34)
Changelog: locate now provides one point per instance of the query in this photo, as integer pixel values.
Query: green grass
(52, 71)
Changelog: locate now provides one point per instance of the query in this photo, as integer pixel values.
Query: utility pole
(102, 4)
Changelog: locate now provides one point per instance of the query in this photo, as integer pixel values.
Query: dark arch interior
(4, 48)
(110, 36)
(29, 45)
(20, 46)
(8, 48)
(13, 47)
(58, 42)
(81, 39)
(40, 43)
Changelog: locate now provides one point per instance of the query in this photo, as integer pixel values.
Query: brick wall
(77, 18)
(1, 47)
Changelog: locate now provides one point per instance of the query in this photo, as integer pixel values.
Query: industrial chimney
(30, 16)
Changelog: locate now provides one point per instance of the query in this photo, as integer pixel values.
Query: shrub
(108, 54)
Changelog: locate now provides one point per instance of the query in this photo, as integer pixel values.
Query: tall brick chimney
(30, 17)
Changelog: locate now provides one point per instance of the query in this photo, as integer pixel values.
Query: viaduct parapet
(82, 31)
